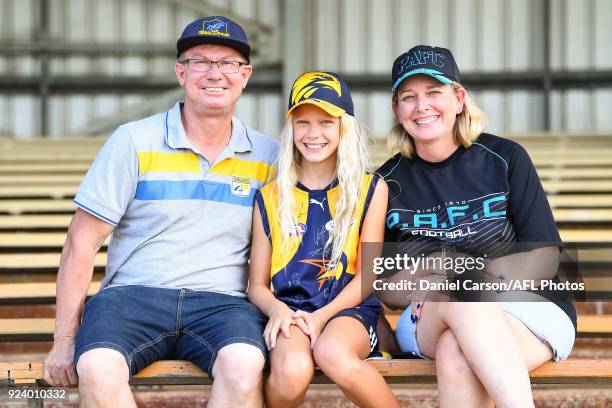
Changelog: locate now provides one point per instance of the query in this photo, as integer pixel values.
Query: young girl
(307, 229)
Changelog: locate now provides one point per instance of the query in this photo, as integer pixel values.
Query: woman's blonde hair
(468, 125)
(353, 161)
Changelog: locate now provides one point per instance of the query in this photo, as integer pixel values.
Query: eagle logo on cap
(214, 27)
(310, 82)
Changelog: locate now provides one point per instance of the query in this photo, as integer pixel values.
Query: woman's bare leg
(458, 386)
(487, 341)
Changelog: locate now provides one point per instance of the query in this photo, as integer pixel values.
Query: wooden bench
(591, 173)
(49, 175)
(34, 239)
(67, 189)
(60, 221)
(593, 371)
(45, 260)
(580, 201)
(39, 178)
(586, 371)
(598, 287)
(36, 206)
(75, 169)
(35, 221)
(56, 239)
(44, 168)
(41, 329)
(33, 293)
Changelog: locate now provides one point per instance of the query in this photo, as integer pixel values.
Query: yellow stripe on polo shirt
(242, 168)
(168, 162)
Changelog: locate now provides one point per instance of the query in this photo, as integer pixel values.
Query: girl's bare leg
(340, 352)
(291, 370)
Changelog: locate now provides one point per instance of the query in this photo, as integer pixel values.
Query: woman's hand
(311, 324)
(281, 317)
(418, 296)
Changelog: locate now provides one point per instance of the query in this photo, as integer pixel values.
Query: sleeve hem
(264, 213)
(368, 199)
(94, 213)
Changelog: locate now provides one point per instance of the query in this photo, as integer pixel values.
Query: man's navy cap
(214, 30)
(327, 90)
(436, 62)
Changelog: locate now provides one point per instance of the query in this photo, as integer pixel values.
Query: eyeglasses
(204, 65)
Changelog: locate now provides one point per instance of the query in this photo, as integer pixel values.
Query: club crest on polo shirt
(214, 27)
(309, 83)
(241, 186)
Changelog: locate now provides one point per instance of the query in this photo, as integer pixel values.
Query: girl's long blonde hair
(468, 125)
(353, 161)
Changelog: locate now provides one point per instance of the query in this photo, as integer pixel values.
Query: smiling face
(427, 109)
(316, 134)
(212, 90)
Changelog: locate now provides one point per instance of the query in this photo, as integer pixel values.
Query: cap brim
(333, 110)
(422, 71)
(186, 43)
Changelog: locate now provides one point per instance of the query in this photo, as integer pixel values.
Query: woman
(454, 189)
(308, 225)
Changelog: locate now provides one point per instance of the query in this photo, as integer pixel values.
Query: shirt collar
(240, 141)
(174, 131)
(176, 137)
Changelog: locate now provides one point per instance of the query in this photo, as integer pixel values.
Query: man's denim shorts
(146, 324)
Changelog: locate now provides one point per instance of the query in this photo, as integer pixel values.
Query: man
(176, 190)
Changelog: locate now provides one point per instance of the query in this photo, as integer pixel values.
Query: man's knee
(101, 368)
(239, 366)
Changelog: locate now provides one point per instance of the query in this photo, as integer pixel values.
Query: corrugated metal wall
(364, 36)
(349, 36)
(109, 22)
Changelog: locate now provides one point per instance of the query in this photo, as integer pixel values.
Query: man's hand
(59, 370)
(86, 234)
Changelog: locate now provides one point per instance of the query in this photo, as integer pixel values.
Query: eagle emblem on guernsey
(310, 82)
(326, 270)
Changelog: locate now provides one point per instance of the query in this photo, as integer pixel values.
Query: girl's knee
(334, 358)
(291, 373)
(327, 351)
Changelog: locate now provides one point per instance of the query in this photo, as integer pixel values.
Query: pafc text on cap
(326, 90)
(217, 30)
(436, 62)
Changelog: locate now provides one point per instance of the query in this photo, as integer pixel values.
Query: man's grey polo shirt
(180, 221)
